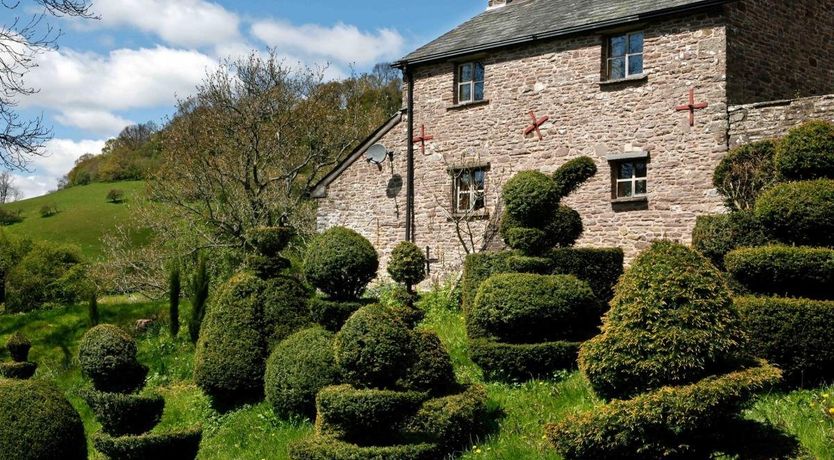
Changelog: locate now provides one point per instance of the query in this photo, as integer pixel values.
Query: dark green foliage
(432, 370)
(9, 217)
(332, 314)
(694, 331)
(231, 352)
(784, 270)
(124, 414)
(407, 264)
(107, 355)
(298, 368)
(477, 268)
(374, 348)
(528, 264)
(12, 251)
(92, 310)
(180, 445)
(716, 235)
(174, 293)
(562, 228)
(530, 196)
(794, 334)
(670, 422)
(800, 213)
(284, 303)
(18, 370)
(38, 423)
(322, 448)
(573, 174)
(450, 421)
(518, 362)
(807, 152)
(528, 308)
(744, 172)
(341, 263)
(269, 241)
(528, 240)
(365, 417)
(19, 346)
(600, 268)
(199, 296)
(116, 195)
(43, 276)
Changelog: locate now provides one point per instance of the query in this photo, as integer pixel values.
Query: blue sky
(132, 64)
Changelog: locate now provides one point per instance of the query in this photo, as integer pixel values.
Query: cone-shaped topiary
(341, 263)
(800, 213)
(807, 152)
(671, 323)
(38, 423)
(107, 355)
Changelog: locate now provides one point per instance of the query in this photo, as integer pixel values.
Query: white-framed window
(470, 82)
(468, 190)
(624, 57)
(631, 179)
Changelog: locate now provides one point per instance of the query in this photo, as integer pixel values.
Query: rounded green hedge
(231, 353)
(716, 235)
(374, 348)
(407, 264)
(807, 152)
(298, 368)
(180, 445)
(561, 229)
(269, 241)
(121, 414)
(693, 331)
(341, 263)
(284, 300)
(530, 196)
(321, 448)
(800, 213)
(38, 423)
(529, 308)
(432, 370)
(573, 174)
(507, 362)
(744, 172)
(107, 355)
(19, 346)
(18, 370)
(332, 314)
(451, 421)
(784, 270)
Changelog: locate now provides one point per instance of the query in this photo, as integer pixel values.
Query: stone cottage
(655, 91)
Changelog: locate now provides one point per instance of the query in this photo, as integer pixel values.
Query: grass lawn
(253, 432)
(84, 215)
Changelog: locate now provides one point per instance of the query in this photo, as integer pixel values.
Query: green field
(84, 215)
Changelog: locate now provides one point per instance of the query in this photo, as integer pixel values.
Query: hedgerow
(519, 362)
(807, 152)
(799, 213)
(716, 235)
(784, 270)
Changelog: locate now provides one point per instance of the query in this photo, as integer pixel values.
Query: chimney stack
(498, 4)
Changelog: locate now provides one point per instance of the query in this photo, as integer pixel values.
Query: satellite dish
(376, 154)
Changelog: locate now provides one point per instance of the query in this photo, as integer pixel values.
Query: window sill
(467, 105)
(630, 199)
(477, 215)
(630, 79)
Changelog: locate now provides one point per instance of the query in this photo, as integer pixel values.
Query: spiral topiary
(341, 263)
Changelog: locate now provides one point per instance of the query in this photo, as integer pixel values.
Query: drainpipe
(409, 206)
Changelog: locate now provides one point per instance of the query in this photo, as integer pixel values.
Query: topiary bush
(298, 368)
(323, 448)
(794, 334)
(125, 414)
(529, 197)
(449, 421)
(18, 370)
(407, 264)
(284, 302)
(45, 276)
(573, 174)
(39, 423)
(695, 332)
(432, 369)
(178, 444)
(269, 241)
(341, 263)
(807, 152)
(19, 346)
(716, 235)
(332, 314)
(784, 270)
(512, 362)
(107, 355)
(744, 172)
(799, 213)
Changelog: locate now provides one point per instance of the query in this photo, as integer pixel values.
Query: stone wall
(754, 122)
(779, 49)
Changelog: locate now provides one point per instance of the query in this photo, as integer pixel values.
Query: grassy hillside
(84, 215)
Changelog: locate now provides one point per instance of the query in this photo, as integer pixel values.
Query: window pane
(479, 91)
(624, 190)
(464, 182)
(463, 202)
(465, 93)
(617, 46)
(465, 72)
(480, 176)
(626, 171)
(635, 64)
(640, 169)
(479, 202)
(640, 187)
(616, 68)
(479, 71)
(635, 43)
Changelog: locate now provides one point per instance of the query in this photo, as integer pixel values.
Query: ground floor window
(631, 178)
(468, 189)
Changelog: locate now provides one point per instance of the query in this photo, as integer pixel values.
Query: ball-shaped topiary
(19, 346)
(38, 423)
(298, 368)
(530, 196)
(671, 322)
(269, 241)
(107, 355)
(341, 263)
(807, 152)
(432, 369)
(284, 301)
(744, 172)
(800, 213)
(374, 348)
(573, 174)
(407, 264)
(529, 308)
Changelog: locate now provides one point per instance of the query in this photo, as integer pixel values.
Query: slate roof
(528, 20)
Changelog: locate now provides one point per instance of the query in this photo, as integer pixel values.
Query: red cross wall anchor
(692, 106)
(537, 123)
(422, 139)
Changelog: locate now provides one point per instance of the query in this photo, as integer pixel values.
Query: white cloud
(94, 121)
(59, 159)
(342, 43)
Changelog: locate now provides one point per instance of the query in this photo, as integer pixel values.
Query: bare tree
(21, 41)
(8, 190)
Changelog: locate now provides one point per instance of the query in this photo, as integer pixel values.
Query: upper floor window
(624, 56)
(470, 78)
(631, 179)
(469, 187)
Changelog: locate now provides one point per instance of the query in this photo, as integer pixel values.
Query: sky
(134, 63)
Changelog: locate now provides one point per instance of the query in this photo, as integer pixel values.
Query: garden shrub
(560, 228)
(39, 423)
(182, 444)
(230, 359)
(269, 241)
(529, 308)
(40, 278)
(107, 355)
(432, 369)
(529, 197)
(528, 240)
(125, 414)
(529, 264)
(298, 368)
(450, 421)
(48, 210)
(668, 422)
(332, 314)
(323, 448)
(18, 370)
(573, 174)
(807, 152)
(518, 362)
(477, 268)
(12, 251)
(744, 172)
(407, 264)
(800, 213)
(19, 346)
(695, 332)
(374, 348)
(794, 334)
(784, 270)
(341, 263)
(9, 217)
(716, 235)
(116, 195)
(284, 302)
